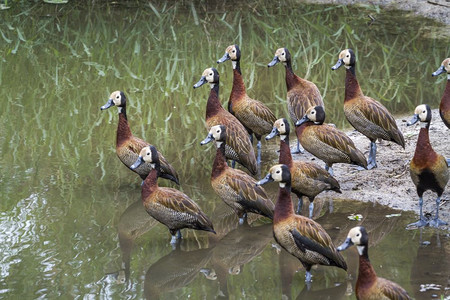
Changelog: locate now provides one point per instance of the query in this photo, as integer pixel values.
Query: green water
(71, 224)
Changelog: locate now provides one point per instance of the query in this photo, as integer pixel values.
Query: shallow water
(70, 217)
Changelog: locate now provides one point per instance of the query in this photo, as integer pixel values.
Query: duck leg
(242, 218)
(300, 204)
(298, 150)
(422, 221)
(311, 208)
(329, 168)
(448, 161)
(258, 146)
(436, 222)
(372, 161)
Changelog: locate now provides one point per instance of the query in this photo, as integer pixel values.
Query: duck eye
(234, 51)
(313, 112)
(282, 54)
(358, 235)
(282, 124)
(210, 74)
(148, 153)
(423, 112)
(278, 172)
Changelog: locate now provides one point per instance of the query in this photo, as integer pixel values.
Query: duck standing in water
(128, 146)
(300, 236)
(365, 114)
(235, 187)
(301, 93)
(368, 285)
(307, 178)
(256, 117)
(428, 169)
(167, 205)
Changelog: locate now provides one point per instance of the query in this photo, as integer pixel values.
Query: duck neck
(424, 152)
(213, 105)
(285, 151)
(291, 79)
(366, 273)
(220, 162)
(150, 183)
(123, 128)
(284, 207)
(238, 89)
(445, 102)
(352, 89)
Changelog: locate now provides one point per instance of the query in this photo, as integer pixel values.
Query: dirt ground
(435, 9)
(390, 184)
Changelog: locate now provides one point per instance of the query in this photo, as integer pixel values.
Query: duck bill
(439, 71)
(274, 61)
(201, 82)
(137, 163)
(272, 134)
(345, 245)
(301, 121)
(224, 58)
(413, 120)
(265, 180)
(338, 64)
(108, 104)
(208, 140)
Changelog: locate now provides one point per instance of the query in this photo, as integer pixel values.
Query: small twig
(437, 3)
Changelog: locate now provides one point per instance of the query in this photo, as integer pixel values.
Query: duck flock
(233, 130)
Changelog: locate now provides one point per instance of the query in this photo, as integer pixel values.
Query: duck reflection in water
(175, 270)
(133, 223)
(234, 250)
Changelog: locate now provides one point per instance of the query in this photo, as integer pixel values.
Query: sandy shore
(390, 184)
(435, 9)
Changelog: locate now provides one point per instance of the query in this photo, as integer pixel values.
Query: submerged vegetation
(58, 64)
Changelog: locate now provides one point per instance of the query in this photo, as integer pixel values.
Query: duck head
(280, 127)
(444, 68)
(347, 58)
(279, 173)
(356, 236)
(210, 75)
(148, 154)
(422, 113)
(216, 133)
(281, 55)
(118, 99)
(232, 52)
(315, 114)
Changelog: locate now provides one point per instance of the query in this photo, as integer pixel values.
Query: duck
(238, 145)
(256, 117)
(368, 285)
(326, 142)
(302, 237)
(428, 169)
(365, 114)
(128, 145)
(444, 106)
(308, 179)
(235, 187)
(169, 206)
(301, 93)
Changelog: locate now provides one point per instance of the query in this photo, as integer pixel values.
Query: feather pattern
(444, 106)
(301, 95)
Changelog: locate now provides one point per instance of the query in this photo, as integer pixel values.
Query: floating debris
(430, 286)
(393, 215)
(355, 217)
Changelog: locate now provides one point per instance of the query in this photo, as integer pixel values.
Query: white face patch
(282, 184)
(120, 109)
(218, 144)
(283, 136)
(234, 64)
(153, 165)
(423, 124)
(448, 76)
(212, 85)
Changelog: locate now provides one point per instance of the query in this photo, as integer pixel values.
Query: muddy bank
(435, 9)
(390, 184)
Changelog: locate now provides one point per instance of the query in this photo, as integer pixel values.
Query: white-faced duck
(253, 114)
(308, 179)
(239, 147)
(428, 169)
(128, 146)
(301, 93)
(368, 285)
(326, 142)
(235, 187)
(167, 205)
(300, 236)
(365, 114)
